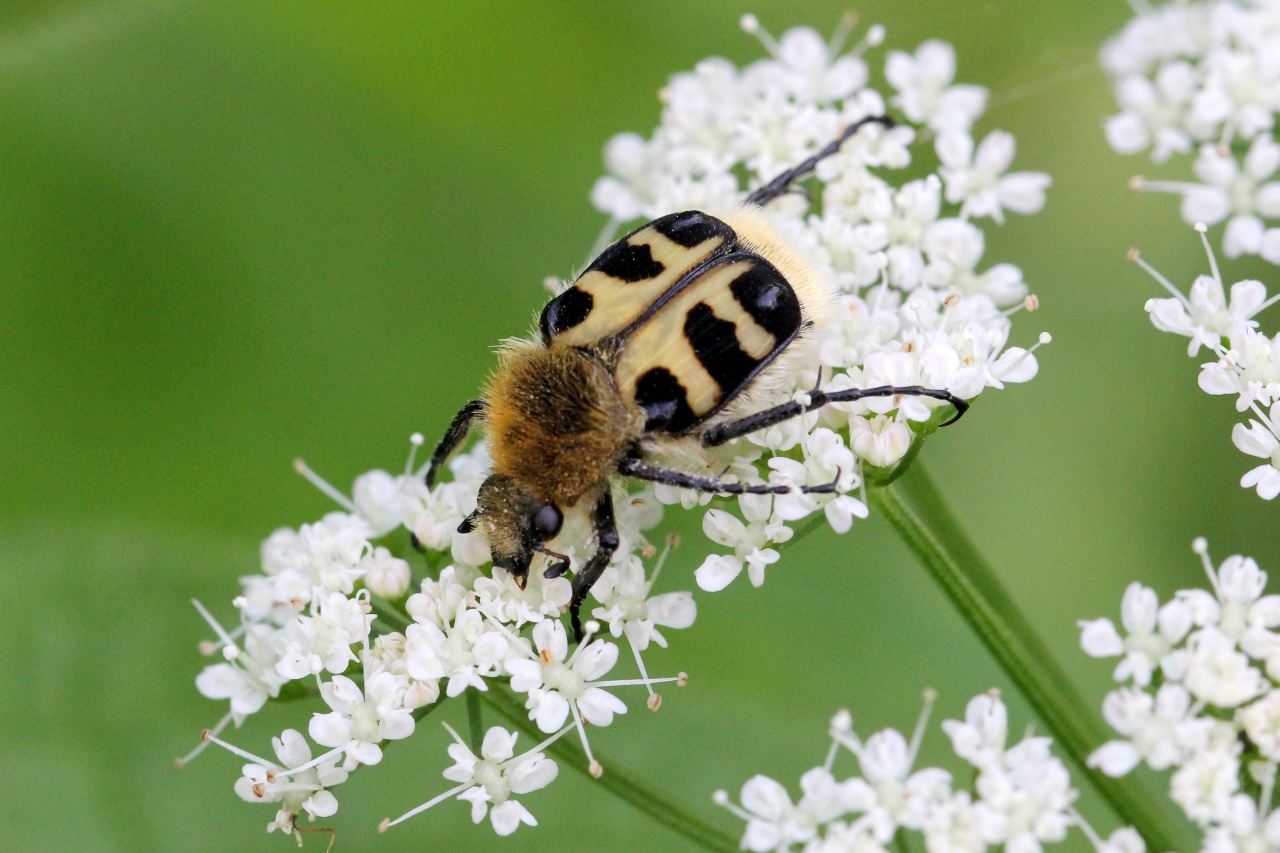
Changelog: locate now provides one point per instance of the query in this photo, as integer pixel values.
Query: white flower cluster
(915, 305)
(1021, 796)
(1199, 697)
(331, 612)
(384, 609)
(1201, 79)
(1246, 363)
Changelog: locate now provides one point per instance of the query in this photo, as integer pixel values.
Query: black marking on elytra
(692, 227)
(564, 312)
(665, 402)
(715, 343)
(628, 263)
(768, 298)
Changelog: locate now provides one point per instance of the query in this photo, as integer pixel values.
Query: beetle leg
(633, 467)
(454, 436)
(606, 543)
(556, 569)
(720, 433)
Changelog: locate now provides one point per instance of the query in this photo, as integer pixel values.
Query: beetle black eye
(547, 521)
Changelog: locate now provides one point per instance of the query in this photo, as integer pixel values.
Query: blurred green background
(234, 233)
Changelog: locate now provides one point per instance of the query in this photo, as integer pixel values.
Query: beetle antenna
(782, 183)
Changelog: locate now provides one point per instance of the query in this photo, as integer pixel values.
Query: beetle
(664, 345)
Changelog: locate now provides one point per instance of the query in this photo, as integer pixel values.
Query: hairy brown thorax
(556, 422)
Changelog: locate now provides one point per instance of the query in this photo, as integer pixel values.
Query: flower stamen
(323, 485)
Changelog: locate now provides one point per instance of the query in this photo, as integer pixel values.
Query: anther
(929, 694)
(259, 790)
(1137, 183)
(682, 678)
(720, 797)
(545, 655)
(1032, 302)
(415, 441)
(386, 822)
(1133, 254)
(1201, 227)
(951, 300)
(842, 721)
(207, 647)
(673, 540)
(994, 693)
(595, 769)
(654, 701)
(750, 25)
(648, 551)
(204, 735)
(1200, 545)
(875, 35)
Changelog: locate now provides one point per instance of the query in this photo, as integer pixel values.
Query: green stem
(616, 779)
(928, 527)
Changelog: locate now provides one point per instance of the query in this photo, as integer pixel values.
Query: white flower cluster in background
(1246, 361)
(917, 304)
(381, 639)
(1200, 82)
(1199, 697)
(1020, 796)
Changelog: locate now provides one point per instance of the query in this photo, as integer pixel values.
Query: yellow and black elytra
(661, 347)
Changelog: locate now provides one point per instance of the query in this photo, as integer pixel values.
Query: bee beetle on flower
(662, 347)
(784, 323)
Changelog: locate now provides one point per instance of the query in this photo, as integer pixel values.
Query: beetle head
(516, 522)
